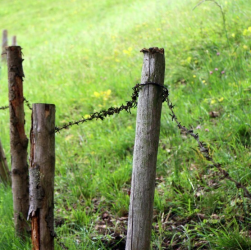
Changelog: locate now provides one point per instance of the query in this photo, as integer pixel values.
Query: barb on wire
(114, 110)
(205, 151)
(4, 107)
(27, 103)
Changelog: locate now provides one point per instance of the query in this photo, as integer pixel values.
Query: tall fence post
(42, 171)
(4, 170)
(145, 151)
(18, 141)
(14, 41)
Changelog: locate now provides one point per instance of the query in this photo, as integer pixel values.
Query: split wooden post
(42, 171)
(4, 44)
(145, 151)
(14, 41)
(18, 141)
(4, 170)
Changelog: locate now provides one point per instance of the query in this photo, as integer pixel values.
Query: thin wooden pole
(18, 141)
(4, 170)
(42, 171)
(14, 41)
(4, 44)
(145, 151)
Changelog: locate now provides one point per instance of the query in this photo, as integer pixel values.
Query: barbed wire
(27, 103)
(204, 149)
(115, 110)
(4, 107)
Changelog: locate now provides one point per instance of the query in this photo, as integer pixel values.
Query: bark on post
(14, 41)
(4, 44)
(145, 151)
(18, 141)
(42, 171)
(4, 170)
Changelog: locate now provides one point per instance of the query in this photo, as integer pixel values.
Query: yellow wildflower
(96, 94)
(189, 59)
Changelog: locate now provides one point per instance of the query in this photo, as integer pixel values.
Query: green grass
(83, 56)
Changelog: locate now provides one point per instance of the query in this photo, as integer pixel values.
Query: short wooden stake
(4, 44)
(145, 151)
(4, 170)
(42, 171)
(18, 141)
(14, 41)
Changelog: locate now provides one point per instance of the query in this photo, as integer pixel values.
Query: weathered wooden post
(14, 41)
(18, 140)
(145, 151)
(4, 44)
(4, 170)
(42, 171)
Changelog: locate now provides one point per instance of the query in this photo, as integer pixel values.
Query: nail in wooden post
(4, 44)
(14, 41)
(18, 140)
(145, 151)
(4, 170)
(42, 171)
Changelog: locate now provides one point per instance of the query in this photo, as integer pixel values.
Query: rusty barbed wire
(115, 110)
(204, 149)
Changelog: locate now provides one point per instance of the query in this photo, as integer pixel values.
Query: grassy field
(83, 56)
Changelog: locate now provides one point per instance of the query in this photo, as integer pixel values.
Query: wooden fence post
(42, 171)
(4, 44)
(14, 41)
(145, 151)
(4, 170)
(18, 141)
